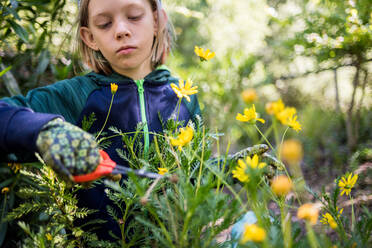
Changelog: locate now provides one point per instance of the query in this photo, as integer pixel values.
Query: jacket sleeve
(22, 117)
(19, 128)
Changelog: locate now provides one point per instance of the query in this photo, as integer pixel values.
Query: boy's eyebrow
(128, 6)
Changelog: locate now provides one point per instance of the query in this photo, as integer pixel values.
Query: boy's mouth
(125, 50)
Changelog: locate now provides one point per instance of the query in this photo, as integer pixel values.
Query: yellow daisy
(184, 90)
(185, 136)
(253, 233)
(347, 184)
(162, 171)
(250, 115)
(204, 55)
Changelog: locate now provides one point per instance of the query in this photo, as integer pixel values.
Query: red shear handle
(103, 169)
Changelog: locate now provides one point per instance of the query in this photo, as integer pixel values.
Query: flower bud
(291, 151)
(281, 185)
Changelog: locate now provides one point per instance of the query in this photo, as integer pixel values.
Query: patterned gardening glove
(68, 149)
(260, 150)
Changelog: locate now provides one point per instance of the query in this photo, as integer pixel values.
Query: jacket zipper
(146, 135)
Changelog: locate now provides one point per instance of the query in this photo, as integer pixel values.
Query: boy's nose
(122, 31)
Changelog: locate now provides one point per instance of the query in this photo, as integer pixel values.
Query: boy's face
(123, 30)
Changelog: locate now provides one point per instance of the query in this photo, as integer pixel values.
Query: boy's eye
(104, 25)
(134, 18)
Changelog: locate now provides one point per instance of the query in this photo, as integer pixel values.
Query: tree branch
(289, 77)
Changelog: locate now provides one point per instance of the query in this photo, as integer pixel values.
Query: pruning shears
(108, 167)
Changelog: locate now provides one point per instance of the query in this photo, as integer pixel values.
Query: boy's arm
(66, 98)
(19, 128)
(66, 148)
(27, 125)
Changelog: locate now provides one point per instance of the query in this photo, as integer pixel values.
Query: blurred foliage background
(314, 55)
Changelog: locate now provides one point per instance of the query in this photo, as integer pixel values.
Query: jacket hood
(160, 75)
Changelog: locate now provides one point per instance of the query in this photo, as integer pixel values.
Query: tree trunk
(360, 105)
(338, 108)
(350, 131)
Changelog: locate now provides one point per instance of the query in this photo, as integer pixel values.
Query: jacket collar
(160, 75)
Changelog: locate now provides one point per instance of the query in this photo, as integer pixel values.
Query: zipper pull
(140, 85)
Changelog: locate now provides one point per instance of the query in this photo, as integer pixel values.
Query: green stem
(229, 187)
(107, 116)
(162, 226)
(311, 236)
(266, 134)
(264, 137)
(276, 135)
(352, 214)
(223, 167)
(122, 226)
(286, 225)
(201, 162)
(281, 143)
(158, 152)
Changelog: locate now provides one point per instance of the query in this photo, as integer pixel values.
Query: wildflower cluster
(286, 115)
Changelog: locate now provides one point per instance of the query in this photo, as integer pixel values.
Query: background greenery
(315, 55)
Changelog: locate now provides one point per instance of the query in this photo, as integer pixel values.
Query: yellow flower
(203, 55)
(184, 90)
(114, 88)
(273, 108)
(308, 212)
(15, 167)
(291, 151)
(253, 233)
(241, 170)
(185, 136)
(4, 190)
(249, 95)
(347, 184)
(162, 171)
(328, 219)
(49, 236)
(250, 115)
(286, 114)
(293, 123)
(281, 185)
(253, 162)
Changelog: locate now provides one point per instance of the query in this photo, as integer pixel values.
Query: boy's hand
(68, 149)
(260, 150)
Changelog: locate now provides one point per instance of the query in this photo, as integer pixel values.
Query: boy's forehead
(79, 1)
(99, 7)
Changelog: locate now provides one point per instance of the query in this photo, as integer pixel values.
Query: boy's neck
(135, 73)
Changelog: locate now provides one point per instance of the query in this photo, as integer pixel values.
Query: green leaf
(43, 64)
(19, 30)
(5, 183)
(5, 70)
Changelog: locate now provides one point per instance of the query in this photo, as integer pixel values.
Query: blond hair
(161, 47)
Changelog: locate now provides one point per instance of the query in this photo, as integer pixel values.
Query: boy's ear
(87, 37)
(160, 20)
